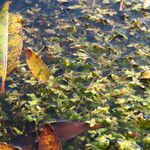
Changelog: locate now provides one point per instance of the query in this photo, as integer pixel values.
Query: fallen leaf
(5, 146)
(37, 67)
(15, 41)
(4, 22)
(48, 140)
(145, 75)
(68, 130)
(10, 42)
(51, 136)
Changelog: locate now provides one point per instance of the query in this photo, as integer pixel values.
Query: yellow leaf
(145, 75)
(14, 42)
(10, 41)
(4, 22)
(37, 66)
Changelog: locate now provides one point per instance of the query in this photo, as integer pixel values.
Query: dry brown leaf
(68, 130)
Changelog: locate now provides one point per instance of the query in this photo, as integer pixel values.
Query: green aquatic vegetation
(96, 56)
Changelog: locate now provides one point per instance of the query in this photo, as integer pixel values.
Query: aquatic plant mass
(74, 74)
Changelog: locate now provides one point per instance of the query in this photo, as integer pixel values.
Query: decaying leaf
(54, 134)
(68, 130)
(51, 137)
(15, 41)
(4, 146)
(145, 75)
(48, 140)
(10, 41)
(4, 22)
(37, 66)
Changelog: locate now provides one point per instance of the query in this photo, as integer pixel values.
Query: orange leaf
(37, 66)
(48, 140)
(4, 146)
